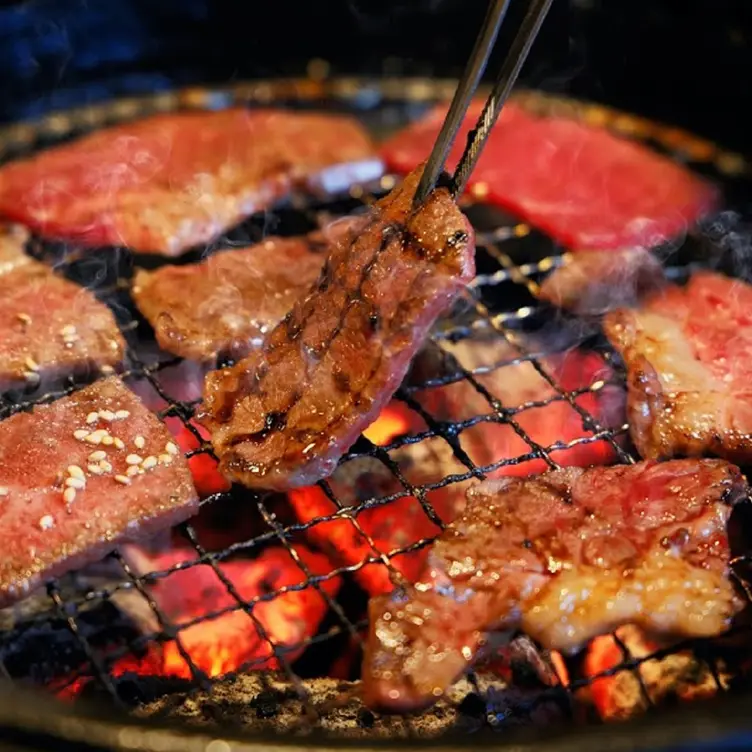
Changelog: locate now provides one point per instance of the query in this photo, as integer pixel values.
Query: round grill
(73, 639)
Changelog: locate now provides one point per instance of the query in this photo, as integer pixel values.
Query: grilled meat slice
(227, 303)
(584, 186)
(282, 417)
(48, 325)
(689, 380)
(169, 182)
(68, 494)
(593, 282)
(564, 556)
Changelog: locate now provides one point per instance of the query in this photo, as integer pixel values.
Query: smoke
(726, 244)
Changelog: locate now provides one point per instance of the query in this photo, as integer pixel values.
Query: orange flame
(394, 420)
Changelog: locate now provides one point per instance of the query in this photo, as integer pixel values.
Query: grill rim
(30, 135)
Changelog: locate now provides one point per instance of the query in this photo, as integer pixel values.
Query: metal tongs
(466, 88)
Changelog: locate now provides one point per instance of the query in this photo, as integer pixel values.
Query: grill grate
(512, 259)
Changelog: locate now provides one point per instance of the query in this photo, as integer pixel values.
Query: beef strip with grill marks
(226, 304)
(689, 376)
(283, 417)
(564, 556)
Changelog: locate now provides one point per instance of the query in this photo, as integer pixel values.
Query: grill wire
(507, 274)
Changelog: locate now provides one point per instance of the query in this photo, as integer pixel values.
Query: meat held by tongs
(284, 416)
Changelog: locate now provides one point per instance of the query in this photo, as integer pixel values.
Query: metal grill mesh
(503, 303)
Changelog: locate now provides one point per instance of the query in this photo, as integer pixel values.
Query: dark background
(679, 61)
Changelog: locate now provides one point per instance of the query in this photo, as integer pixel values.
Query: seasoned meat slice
(689, 376)
(49, 327)
(78, 477)
(226, 304)
(564, 556)
(593, 282)
(581, 184)
(282, 417)
(172, 181)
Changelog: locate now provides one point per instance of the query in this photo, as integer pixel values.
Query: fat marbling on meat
(689, 375)
(284, 416)
(80, 476)
(227, 303)
(564, 556)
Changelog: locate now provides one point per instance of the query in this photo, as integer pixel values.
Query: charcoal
(259, 702)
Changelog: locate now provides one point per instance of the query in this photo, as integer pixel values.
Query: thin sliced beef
(283, 417)
(78, 477)
(593, 282)
(226, 304)
(689, 373)
(49, 327)
(173, 181)
(582, 185)
(564, 556)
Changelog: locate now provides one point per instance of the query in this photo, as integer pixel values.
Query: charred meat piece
(78, 477)
(689, 380)
(580, 184)
(282, 417)
(226, 304)
(564, 556)
(49, 327)
(593, 282)
(169, 182)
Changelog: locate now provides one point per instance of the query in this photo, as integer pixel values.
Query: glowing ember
(520, 388)
(232, 638)
(679, 676)
(395, 525)
(206, 477)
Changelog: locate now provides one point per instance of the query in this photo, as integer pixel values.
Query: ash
(267, 702)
